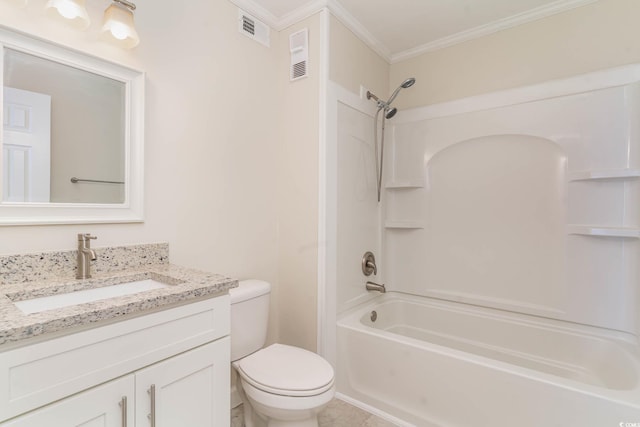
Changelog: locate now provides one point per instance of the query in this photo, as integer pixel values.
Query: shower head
(390, 112)
(408, 83)
(405, 84)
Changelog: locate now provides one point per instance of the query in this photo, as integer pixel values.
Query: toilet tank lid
(249, 289)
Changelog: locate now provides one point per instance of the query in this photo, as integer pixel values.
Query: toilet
(280, 385)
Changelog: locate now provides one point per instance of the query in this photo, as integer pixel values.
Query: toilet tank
(249, 317)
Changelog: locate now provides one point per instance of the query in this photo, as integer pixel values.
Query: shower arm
(386, 104)
(381, 104)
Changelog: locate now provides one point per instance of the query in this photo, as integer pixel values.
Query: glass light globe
(73, 12)
(118, 23)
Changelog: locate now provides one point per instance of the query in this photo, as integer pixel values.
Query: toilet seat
(286, 371)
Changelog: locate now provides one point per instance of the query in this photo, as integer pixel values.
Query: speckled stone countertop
(142, 262)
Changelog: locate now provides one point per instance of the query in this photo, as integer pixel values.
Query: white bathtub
(435, 363)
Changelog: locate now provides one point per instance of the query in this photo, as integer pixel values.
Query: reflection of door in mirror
(88, 128)
(26, 150)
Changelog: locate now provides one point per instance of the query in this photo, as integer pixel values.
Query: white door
(100, 406)
(191, 389)
(26, 147)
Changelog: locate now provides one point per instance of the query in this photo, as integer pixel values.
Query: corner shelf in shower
(591, 230)
(404, 225)
(403, 185)
(604, 174)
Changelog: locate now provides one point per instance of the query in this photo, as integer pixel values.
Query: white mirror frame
(84, 213)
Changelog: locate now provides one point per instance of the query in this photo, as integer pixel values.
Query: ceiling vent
(299, 48)
(253, 28)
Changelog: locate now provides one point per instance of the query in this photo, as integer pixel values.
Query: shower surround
(522, 204)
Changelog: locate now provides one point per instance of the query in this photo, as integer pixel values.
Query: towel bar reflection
(77, 180)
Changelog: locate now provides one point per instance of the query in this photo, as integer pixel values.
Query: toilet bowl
(280, 385)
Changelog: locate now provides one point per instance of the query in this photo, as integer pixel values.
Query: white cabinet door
(191, 389)
(100, 406)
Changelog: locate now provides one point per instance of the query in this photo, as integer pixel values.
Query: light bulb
(73, 12)
(119, 30)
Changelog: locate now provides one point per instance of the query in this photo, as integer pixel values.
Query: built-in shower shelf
(407, 225)
(403, 185)
(589, 230)
(604, 174)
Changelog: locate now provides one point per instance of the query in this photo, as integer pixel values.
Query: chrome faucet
(372, 286)
(85, 256)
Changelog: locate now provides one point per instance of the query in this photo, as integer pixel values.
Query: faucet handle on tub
(369, 264)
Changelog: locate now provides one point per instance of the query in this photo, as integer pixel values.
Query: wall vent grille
(248, 25)
(299, 48)
(253, 28)
(299, 70)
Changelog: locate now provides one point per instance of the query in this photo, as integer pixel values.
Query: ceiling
(397, 29)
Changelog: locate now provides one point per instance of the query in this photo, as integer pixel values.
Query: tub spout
(372, 286)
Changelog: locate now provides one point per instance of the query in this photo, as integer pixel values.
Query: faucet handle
(83, 237)
(369, 264)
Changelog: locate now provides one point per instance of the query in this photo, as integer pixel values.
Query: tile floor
(336, 414)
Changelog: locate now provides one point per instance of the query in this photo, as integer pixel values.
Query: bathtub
(435, 363)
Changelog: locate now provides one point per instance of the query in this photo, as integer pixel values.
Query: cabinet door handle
(152, 415)
(123, 407)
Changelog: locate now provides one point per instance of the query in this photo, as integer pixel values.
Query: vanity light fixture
(72, 10)
(118, 23)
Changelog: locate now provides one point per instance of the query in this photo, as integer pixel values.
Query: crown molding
(314, 6)
(303, 12)
(311, 8)
(358, 29)
(491, 28)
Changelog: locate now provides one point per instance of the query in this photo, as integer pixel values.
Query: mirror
(72, 136)
(61, 122)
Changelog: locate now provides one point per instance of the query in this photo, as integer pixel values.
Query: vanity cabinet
(100, 406)
(184, 391)
(170, 367)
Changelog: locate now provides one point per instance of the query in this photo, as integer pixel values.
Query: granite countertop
(184, 285)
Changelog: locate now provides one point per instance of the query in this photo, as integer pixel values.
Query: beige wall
(352, 63)
(297, 174)
(211, 137)
(600, 35)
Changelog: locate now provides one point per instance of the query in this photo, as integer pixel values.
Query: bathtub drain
(374, 316)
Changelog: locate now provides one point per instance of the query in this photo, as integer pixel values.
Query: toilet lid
(288, 371)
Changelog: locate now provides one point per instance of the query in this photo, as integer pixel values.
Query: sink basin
(36, 305)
